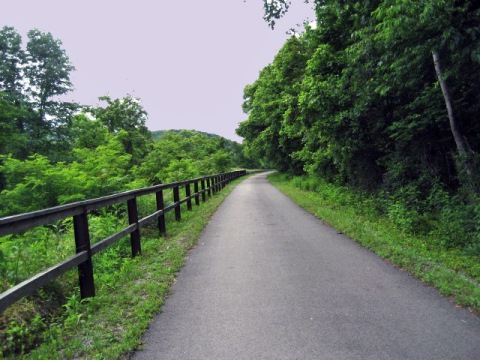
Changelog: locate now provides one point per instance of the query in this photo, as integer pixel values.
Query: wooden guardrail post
(214, 185)
(209, 187)
(82, 243)
(176, 199)
(162, 228)
(188, 193)
(204, 195)
(195, 190)
(133, 219)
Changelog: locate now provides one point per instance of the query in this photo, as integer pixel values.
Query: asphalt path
(269, 281)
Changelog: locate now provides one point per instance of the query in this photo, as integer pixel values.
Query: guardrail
(202, 187)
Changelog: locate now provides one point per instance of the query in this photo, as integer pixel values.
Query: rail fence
(202, 187)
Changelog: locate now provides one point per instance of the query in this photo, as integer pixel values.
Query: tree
(11, 59)
(88, 133)
(371, 99)
(270, 104)
(29, 82)
(37, 183)
(47, 70)
(126, 114)
(14, 114)
(180, 155)
(13, 139)
(448, 32)
(388, 102)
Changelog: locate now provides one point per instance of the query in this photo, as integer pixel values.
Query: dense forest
(381, 96)
(54, 152)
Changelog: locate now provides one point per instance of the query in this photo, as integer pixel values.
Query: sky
(188, 61)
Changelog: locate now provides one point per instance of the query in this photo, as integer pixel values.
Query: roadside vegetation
(56, 324)
(54, 152)
(375, 224)
(371, 115)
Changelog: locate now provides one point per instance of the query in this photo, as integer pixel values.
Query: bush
(459, 224)
(449, 221)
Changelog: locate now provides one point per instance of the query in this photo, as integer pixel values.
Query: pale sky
(188, 61)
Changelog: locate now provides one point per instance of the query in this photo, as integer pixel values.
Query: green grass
(456, 274)
(110, 325)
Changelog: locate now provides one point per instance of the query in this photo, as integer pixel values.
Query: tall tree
(13, 139)
(447, 34)
(127, 118)
(30, 83)
(375, 107)
(11, 59)
(270, 104)
(15, 112)
(47, 69)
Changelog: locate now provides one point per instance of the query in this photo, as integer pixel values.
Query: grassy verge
(110, 325)
(454, 273)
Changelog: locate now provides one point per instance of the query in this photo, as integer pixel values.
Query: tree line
(53, 152)
(379, 95)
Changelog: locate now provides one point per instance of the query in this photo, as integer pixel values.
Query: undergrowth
(55, 323)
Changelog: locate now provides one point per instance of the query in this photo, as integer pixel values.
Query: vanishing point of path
(269, 281)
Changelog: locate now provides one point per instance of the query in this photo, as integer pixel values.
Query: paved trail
(269, 281)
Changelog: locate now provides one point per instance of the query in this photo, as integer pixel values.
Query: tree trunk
(462, 146)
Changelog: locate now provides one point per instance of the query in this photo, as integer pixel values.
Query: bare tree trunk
(462, 146)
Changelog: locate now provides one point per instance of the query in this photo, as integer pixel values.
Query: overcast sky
(188, 61)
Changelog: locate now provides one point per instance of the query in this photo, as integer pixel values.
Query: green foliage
(47, 245)
(126, 118)
(358, 99)
(12, 118)
(11, 59)
(459, 224)
(102, 170)
(445, 221)
(274, 10)
(33, 120)
(47, 70)
(53, 153)
(87, 133)
(271, 104)
(99, 165)
(36, 176)
(37, 183)
(182, 155)
(55, 322)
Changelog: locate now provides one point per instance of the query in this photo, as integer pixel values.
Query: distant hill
(159, 133)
